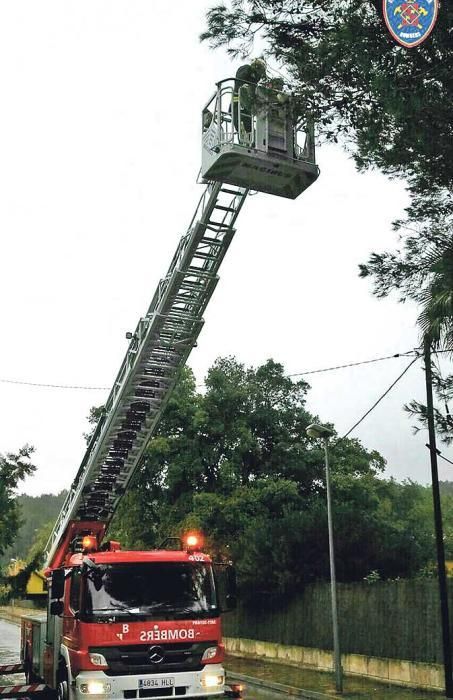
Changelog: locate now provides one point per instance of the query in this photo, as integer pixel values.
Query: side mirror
(58, 578)
(56, 607)
(225, 575)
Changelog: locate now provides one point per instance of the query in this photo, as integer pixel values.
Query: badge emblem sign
(410, 21)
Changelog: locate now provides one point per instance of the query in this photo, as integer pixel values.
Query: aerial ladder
(258, 145)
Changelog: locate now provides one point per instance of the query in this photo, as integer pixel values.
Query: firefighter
(251, 72)
(247, 77)
(269, 93)
(275, 87)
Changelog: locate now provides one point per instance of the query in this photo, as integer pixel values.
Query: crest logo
(410, 21)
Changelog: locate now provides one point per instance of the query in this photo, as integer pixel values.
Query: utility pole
(445, 618)
(323, 432)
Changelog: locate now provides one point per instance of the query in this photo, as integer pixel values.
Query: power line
(408, 353)
(439, 454)
(387, 391)
(294, 374)
(353, 364)
(54, 386)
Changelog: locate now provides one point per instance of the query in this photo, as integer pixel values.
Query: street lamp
(321, 431)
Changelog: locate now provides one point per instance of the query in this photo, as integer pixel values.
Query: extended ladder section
(157, 351)
(252, 138)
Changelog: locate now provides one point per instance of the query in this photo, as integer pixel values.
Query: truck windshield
(160, 590)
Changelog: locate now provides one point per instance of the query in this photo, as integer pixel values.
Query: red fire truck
(131, 624)
(147, 624)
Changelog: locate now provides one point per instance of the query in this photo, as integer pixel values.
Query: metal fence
(396, 619)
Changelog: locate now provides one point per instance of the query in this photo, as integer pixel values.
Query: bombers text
(166, 635)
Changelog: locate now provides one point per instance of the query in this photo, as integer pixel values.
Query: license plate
(156, 683)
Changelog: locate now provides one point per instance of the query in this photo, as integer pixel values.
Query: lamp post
(321, 431)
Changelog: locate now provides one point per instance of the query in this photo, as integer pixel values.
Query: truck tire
(62, 682)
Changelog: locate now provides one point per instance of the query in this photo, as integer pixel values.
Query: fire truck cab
(131, 625)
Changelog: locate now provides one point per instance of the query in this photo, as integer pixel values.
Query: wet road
(9, 650)
(262, 694)
(9, 642)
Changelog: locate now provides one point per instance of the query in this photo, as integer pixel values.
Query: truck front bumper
(96, 685)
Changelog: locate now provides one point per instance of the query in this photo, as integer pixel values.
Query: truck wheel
(62, 683)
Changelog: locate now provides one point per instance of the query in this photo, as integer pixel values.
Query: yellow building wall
(35, 584)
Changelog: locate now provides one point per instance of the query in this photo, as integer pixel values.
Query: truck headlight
(212, 680)
(95, 688)
(210, 653)
(98, 659)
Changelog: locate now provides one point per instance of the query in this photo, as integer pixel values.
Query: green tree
(235, 461)
(422, 272)
(13, 469)
(390, 107)
(446, 494)
(35, 512)
(393, 106)
(35, 552)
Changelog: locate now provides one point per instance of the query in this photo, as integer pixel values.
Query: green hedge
(397, 619)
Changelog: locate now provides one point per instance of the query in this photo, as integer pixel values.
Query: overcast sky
(99, 153)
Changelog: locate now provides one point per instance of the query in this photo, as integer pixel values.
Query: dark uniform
(244, 92)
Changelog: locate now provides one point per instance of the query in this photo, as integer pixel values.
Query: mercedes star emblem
(156, 655)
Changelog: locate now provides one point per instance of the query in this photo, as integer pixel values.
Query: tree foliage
(422, 272)
(392, 105)
(235, 461)
(35, 512)
(13, 469)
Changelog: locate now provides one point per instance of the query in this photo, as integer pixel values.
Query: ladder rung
(200, 272)
(228, 191)
(219, 206)
(219, 224)
(157, 377)
(204, 256)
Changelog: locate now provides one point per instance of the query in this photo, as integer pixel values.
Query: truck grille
(153, 658)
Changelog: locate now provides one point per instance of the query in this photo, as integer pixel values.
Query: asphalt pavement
(9, 651)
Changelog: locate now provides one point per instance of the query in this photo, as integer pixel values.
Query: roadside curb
(13, 615)
(278, 687)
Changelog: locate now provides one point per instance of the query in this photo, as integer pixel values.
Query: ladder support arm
(158, 350)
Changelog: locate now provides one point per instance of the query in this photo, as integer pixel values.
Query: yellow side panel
(35, 585)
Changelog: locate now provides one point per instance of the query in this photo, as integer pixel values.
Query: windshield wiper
(167, 608)
(116, 606)
(173, 609)
(167, 605)
(125, 608)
